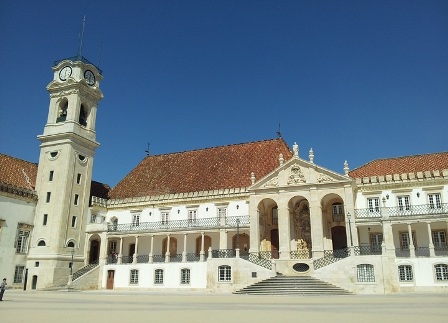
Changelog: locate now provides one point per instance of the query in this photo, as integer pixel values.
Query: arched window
(71, 244)
(62, 113)
(41, 243)
(224, 273)
(83, 116)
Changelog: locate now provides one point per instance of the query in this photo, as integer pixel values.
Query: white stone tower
(65, 172)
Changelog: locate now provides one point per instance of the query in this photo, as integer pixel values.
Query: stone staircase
(293, 285)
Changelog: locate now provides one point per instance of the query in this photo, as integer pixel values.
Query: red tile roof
(202, 170)
(401, 165)
(17, 172)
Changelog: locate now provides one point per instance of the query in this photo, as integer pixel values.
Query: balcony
(403, 211)
(180, 225)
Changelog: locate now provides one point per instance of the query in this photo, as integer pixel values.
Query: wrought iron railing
(84, 270)
(186, 224)
(300, 254)
(330, 257)
(402, 253)
(158, 258)
(223, 253)
(258, 259)
(127, 259)
(422, 252)
(141, 259)
(338, 217)
(441, 250)
(368, 213)
(367, 250)
(423, 209)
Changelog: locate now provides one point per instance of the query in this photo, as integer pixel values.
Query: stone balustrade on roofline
(172, 198)
(405, 177)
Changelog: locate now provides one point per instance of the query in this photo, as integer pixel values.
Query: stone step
(292, 285)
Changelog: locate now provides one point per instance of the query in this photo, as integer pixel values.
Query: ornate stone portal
(302, 227)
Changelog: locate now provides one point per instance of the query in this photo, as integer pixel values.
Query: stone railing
(402, 211)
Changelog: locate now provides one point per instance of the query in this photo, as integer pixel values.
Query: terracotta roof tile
(99, 190)
(202, 170)
(17, 172)
(401, 165)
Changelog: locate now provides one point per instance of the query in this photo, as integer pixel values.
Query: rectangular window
(405, 273)
(338, 209)
(435, 202)
(76, 199)
(439, 239)
(18, 274)
(136, 220)
(92, 218)
(73, 221)
(224, 273)
(185, 276)
(404, 240)
(50, 177)
(376, 239)
(165, 217)
(374, 204)
(404, 203)
(441, 272)
(365, 273)
(45, 219)
(192, 216)
(48, 197)
(22, 241)
(36, 264)
(78, 178)
(134, 276)
(158, 276)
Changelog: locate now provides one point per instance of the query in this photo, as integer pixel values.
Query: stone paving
(145, 306)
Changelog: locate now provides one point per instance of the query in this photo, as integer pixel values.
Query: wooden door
(110, 279)
(94, 251)
(339, 237)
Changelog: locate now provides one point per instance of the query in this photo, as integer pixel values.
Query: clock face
(65, 73)
(90, 77)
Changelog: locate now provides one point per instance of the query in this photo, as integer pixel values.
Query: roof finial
(279, 133)
(346, 169)
(295, 148)
(281, 159)
(147, 150)
(311, 155)
(252, 178)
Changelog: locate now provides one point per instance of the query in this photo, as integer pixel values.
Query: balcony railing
(187, 224)
(424, 209)
(403, 211)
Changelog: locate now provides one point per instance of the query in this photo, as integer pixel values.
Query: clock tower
(64, 175)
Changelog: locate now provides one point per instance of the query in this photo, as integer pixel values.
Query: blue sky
(354, 80)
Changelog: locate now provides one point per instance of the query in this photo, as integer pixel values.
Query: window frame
(439, 235)
(365, 273)
(136, 219)
(405, 273)
(158, 276)
(185, 276)
(224, 274)
(373, 204)
(443, 272)
(18, 274)
(133, 277)
(22, 240)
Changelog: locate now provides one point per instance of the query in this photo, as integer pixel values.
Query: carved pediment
(273, 182)
(322, 178)
(295, 175)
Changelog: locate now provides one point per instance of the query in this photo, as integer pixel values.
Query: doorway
(274, 243)
(110, 279)
(34, 282)
(94, 251)
(339, 237)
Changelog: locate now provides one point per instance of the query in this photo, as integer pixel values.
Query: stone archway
(94, 253)
(302, 225)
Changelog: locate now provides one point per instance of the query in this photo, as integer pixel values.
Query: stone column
(284, 233)
(316, 225)
(388, 245)
(167, 253)
(254, 225)
(120, 253)
(184, 253)
(134, 260)
(202, 253)
(151, 251)
(103, 248)
(411, 242)
(222, 239)
(431, 244)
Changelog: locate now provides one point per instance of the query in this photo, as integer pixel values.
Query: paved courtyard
(120, 306)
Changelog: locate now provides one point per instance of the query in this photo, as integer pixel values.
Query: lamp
(418, 194)
(71, 264)
(387, 196)
(350, 228)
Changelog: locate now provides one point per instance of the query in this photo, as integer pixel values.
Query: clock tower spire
(64, 175)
